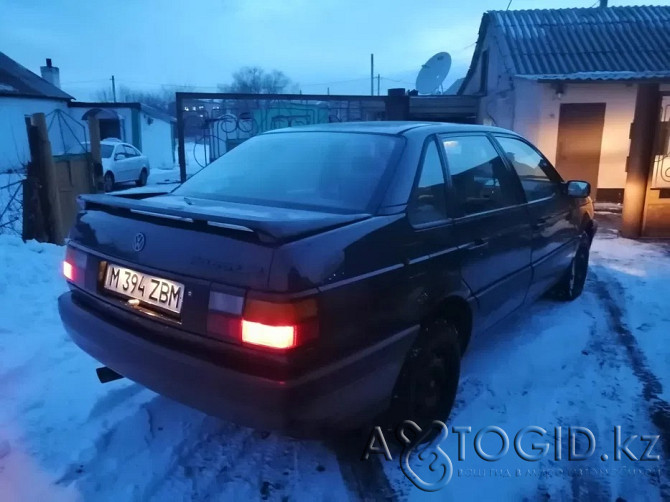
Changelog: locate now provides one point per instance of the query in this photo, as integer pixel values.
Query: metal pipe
(179, 104)
(106, 374)
(372, 74)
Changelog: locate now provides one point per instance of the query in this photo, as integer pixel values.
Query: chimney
(603, 4)
(51, 73)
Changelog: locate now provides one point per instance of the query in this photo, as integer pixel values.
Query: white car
(122, 163)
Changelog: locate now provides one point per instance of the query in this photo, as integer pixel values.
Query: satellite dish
(433, 73)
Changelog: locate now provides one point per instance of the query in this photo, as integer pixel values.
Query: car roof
(389, 127)
(114, 143)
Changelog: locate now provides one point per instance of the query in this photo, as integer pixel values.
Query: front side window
(479, 178)
(530, 167)
(324, 171)
(429, 198)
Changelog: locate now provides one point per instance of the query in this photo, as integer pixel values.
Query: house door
(580, 134)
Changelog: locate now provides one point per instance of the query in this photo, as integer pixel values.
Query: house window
(484, 73)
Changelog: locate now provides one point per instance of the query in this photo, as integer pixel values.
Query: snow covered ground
(600, 361)
(197, 157)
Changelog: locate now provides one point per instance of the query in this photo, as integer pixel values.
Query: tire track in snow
(365, 480)
(657, 408)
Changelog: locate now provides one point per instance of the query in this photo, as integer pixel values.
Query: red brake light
(277, 337)
(262, 323)
(68, 271)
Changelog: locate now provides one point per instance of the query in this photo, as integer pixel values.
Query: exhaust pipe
(106, 374)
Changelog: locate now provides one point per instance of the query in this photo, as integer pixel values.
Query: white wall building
(567, 79)
(146, 128)
(23, 93)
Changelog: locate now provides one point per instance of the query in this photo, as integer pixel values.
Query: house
(148, 129)
(23, 93)
(567, 79)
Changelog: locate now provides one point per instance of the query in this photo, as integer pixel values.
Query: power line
(398, 81)
(85, 81)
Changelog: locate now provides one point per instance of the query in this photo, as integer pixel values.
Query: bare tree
(104, 95)
(256, 80)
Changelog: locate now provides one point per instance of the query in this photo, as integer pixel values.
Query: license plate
(146, 288)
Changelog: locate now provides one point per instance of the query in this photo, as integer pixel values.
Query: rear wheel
(572, 283)
(108, 182)
(142, 180)
(428, 382)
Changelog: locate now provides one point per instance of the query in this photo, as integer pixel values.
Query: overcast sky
(319, 44)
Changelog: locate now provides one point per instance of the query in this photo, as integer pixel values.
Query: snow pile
(197, 157)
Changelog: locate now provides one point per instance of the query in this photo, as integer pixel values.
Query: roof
(101, 106)
(612, 43)
(385, 127)
(590, 76)
(156, 113)
(18, 81)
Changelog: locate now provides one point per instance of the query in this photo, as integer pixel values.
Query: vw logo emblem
(139, 242)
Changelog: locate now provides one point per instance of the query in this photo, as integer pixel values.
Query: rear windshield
(106, 151)
(335, 172)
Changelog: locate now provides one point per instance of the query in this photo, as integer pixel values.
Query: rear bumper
(341, 394)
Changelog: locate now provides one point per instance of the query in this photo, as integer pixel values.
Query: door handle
(477, 244)
(539, 223)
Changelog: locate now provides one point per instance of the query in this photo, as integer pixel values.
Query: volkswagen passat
(322, 275)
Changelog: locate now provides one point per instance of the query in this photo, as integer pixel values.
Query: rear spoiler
(269, 231)
(145, 191)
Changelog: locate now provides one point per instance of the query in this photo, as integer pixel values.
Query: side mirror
(119, 156)
(579, 189)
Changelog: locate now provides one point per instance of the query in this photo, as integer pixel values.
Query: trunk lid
(223, 242)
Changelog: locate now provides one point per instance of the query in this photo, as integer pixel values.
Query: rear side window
(106, 151)
(429, 198)
(479, 178)
(531, 167)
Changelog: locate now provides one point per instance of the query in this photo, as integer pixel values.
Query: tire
(142, 180)
(108, 182)
(428, 382)
(572, 283)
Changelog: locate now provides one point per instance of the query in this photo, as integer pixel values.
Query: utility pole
(113, 89)
(378, 83)
(372, 74)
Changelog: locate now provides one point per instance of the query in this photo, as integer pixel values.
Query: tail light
(74, 266)
(276, 337)
(68, 271)
(279, 326)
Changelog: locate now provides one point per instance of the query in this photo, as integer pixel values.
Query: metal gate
(210, 124)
